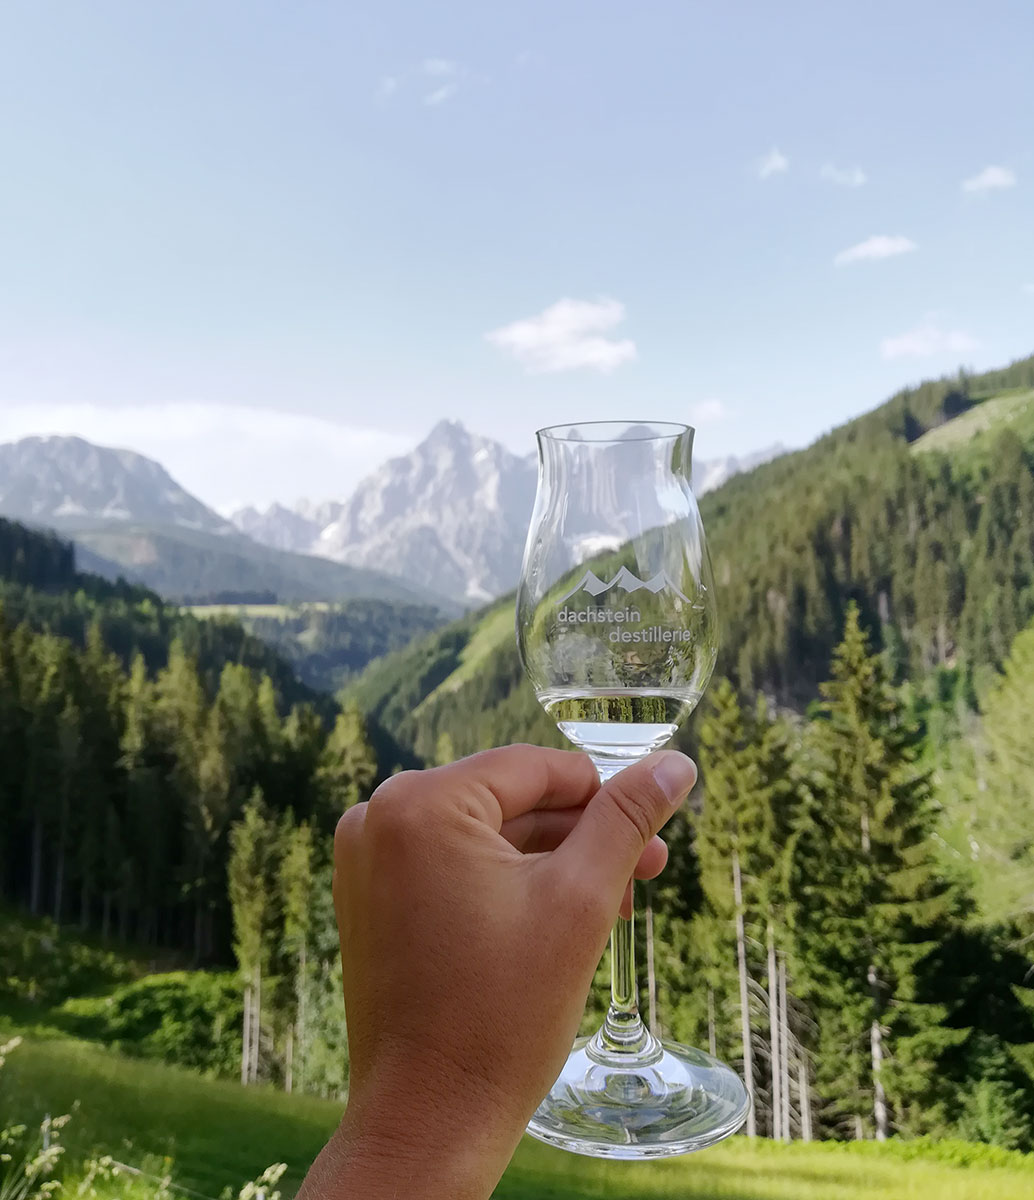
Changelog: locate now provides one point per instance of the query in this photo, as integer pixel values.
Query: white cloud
(226, 454)
(708, 412)
(990, 179)
(567, 336)
(851, 177)
(387, 87)
(440, 95)
(878, 246)
(926, 340)
(773, 163)
(438, 66)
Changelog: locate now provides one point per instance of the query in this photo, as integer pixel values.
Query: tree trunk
(712, 1040)
(246, 1037)
(289, 1061)
(301, 1016)
(774, 1039)
(859, 1131)
(106, 916)
(879, 1096)
(36, 877)
(784, 1049)
(651, 977)
(59, 868)
(198, 925)
(804, 1098)
(256, 1022)
(59, 880)
(741, 962)
(123, 914)
(85, 900)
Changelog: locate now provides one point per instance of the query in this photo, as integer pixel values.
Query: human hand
(474, 902)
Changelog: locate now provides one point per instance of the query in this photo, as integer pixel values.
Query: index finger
(512, 780)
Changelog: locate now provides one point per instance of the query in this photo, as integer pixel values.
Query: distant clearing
(990, 416)
(276, 612)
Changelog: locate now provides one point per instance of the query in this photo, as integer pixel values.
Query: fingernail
(675, 775)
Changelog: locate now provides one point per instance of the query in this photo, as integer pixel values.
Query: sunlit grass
(493, 630)
(1014, 408)
(219, 1134)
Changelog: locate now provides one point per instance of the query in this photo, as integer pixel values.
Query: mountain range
(452, 515)
(128, 517)
(444, 524)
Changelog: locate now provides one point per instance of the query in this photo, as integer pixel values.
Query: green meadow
(219, 1135)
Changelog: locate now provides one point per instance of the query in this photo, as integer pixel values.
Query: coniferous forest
(848, 910)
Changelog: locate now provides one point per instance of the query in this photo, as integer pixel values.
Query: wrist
(377, 1164)
(396, 1139)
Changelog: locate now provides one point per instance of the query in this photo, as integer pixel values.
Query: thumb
(603, 848)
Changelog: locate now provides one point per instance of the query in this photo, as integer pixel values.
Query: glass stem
(623, 1031)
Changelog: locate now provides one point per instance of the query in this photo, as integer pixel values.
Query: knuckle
(393, 809)
(394, 788)
(348, 828)
(638, 805)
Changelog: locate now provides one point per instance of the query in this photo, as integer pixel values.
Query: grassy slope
(222, 1134)
(494, 628)
(976, 428)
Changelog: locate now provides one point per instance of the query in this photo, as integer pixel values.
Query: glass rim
(660, 431)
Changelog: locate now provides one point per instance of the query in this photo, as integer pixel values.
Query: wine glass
(617, 631)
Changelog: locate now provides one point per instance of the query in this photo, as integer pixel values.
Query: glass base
(656, 1103)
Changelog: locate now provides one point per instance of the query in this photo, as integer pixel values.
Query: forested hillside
(132, 736)
(936, 548)
(40, 585)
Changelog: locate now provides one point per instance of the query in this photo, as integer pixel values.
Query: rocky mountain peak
(55, 480)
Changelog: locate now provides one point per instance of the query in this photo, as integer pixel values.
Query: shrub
(190, 1018)
(42, 966)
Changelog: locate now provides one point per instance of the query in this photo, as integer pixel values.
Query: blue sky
(273, 243)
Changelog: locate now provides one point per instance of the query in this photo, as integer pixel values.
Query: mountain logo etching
(628, 582)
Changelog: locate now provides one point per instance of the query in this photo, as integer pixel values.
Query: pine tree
(252, 864)
(874, 901)
(726, 840)
(348, 765)
(296, 884)
(747, 835)
(1003, 832)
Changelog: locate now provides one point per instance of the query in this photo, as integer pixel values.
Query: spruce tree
(296, 885)
(1002, 832)
(873, 904)
(251, 866)
(348, 765)
(745, 842)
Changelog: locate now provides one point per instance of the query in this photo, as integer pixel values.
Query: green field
(274, 611)
(219, 1134)
(978, 425)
